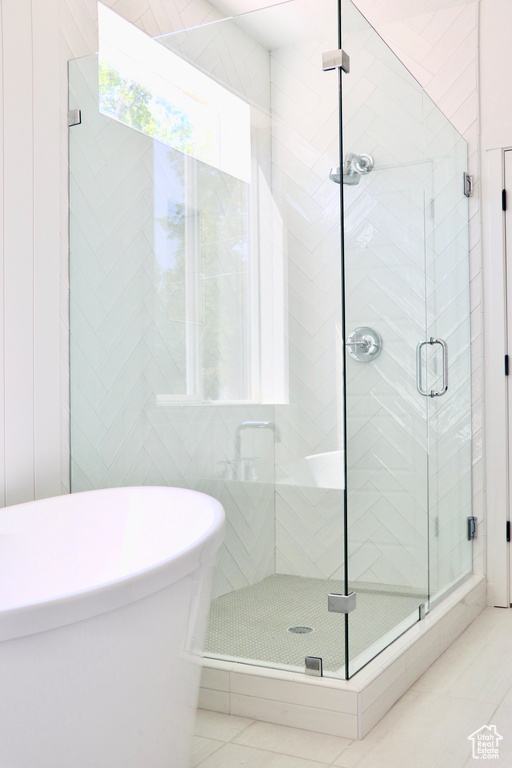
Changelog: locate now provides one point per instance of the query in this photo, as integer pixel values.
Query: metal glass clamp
(313, 665)
(74, 117)
(336, 59)
(419, 367)
(341, 603)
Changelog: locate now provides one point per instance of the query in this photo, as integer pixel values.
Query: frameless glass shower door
(448, 319)
(407, 352)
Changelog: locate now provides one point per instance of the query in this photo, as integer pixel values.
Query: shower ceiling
(376, 10)
(309, 19)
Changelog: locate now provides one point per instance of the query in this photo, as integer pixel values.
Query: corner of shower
(266, 306)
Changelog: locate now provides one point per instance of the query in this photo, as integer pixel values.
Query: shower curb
(346, 708)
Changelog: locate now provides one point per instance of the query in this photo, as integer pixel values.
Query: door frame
(497, 388)
(507, 216)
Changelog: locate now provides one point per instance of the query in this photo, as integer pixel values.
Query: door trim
(495, 384)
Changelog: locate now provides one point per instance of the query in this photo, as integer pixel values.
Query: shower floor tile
(253, 623)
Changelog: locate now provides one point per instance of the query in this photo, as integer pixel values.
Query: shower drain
(300, 630)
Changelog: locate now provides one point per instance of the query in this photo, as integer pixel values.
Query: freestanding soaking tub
(104, 599)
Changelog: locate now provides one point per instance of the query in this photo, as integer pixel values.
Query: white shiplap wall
(31, 225)
(2, 210)
(37, 39)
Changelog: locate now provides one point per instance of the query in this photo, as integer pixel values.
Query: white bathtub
(104, 599)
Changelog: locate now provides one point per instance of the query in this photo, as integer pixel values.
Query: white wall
(496, 119)
(37, 39)
(496, 73)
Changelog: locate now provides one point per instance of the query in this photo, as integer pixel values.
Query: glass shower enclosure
(269, 303)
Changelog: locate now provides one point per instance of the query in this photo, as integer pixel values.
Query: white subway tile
(216, 701)
(308, 718)
(319, 696)
(215, 679)
(382, 705)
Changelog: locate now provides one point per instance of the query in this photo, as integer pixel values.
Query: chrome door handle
(444, 347)
(419, 380)
(419, 383)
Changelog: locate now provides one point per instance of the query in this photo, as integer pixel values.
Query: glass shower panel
(163, 290)
(281, 616)
(206, 346)
(448, 319)
(384, 256)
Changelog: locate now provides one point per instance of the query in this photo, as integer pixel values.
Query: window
(148, 87)
(204, 287)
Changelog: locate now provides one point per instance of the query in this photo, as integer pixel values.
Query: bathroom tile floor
(469, 686)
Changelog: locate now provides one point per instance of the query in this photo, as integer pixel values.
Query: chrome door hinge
(468, 185)
(74, 117)
(314, 666)
(472, 529)
(336, 59)
(341, 603)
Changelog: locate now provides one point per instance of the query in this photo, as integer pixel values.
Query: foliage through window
(201, 157)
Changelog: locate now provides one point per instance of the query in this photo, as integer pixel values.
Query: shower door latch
(341, 603)
(336, 59)
(472, 528)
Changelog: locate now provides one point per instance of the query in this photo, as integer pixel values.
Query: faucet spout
(254, 425)
(238, 439)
